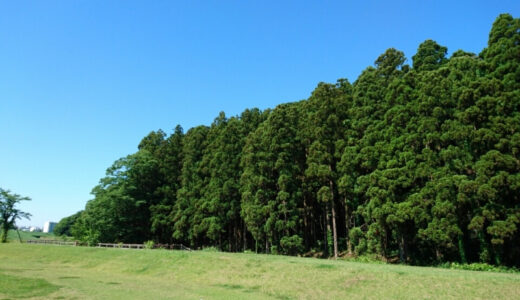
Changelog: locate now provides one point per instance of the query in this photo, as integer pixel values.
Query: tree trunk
(245, 237)
(313, 228)
(4, 229)
(306, 231)
(19, 237)
(334, 230)
(402, 250)
(326, 230)
(236, 228)
(347, 227)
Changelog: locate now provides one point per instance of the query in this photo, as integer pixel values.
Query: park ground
(68, 272)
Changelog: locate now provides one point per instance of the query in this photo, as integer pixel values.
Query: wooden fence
(143, 246)
(123, 246)
(53, 242)
(112, 245)
(171, 247)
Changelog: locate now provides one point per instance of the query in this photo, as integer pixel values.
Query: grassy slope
(13, 236)
(64, 272)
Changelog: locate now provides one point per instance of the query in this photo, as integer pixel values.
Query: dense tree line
(419, 163)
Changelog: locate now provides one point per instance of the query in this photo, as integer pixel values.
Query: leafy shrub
(361, 248)
(149, 244)
(291, 245)
(479, 267)
(371, 258)
(358, 241)
(91, 238)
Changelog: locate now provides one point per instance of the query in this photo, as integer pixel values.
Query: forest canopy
(417, 162)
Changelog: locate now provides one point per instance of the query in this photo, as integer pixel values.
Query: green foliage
(366, 259)
(430, 56)
(120, 211)
(64, 226)
(149, 244)
(479, 267)
(291, 245)
(9, 213)
(418, 164)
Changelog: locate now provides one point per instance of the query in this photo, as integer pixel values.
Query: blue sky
(81, 82)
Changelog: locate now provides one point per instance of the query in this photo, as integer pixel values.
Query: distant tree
(64, 225)
(9, 213)
(120, 210)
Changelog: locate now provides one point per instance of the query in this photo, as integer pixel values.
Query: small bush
(149, 245)
(479, 267)
(291, 245)
(357, 238)
(367, 258)
(91, 239)
(361, 247)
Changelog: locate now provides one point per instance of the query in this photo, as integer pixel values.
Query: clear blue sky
(81, 82)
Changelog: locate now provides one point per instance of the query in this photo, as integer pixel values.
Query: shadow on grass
(23, 287)
(245, 289)
(326, 266)
(69, 277)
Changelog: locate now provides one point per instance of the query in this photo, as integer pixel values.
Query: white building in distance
(48, 227)
(34, 229)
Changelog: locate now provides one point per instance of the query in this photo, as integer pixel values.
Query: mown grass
(22, 287)
(65, 272)
(12, 236)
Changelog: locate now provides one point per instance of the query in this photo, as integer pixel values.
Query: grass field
(12, 236)
(66, 272)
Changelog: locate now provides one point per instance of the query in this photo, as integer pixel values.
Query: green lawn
(66, 272)
(25, 235)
